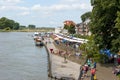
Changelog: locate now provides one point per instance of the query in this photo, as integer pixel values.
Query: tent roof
(74, 39)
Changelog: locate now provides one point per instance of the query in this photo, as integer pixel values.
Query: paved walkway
(60, 68)
(104, 72)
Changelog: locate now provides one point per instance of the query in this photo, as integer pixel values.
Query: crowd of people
(90, 65)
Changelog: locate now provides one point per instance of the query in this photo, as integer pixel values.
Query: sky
(44, 13)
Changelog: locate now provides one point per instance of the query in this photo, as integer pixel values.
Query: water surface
(20, 59)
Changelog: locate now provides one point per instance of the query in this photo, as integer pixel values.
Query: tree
(66, 27)
(105, 24)
(22, 27)
(117, 25)
(116, 41)
(91, 49)
(16, 26)
(86, 16)
(31, 26)
(71, 29)
(2, 22)
(70, 26)
(5, 23)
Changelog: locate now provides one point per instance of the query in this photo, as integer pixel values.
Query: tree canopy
(5, 23)
(105, 24)
(71, 29)
(31, 26)
(70, 26)
(8, 23)
(86, 16)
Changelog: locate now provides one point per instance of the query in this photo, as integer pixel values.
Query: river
(20, 59)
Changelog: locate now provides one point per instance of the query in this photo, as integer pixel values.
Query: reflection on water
(20, 59)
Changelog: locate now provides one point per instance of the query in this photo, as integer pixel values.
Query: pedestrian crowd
(89, 66)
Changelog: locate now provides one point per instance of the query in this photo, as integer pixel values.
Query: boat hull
(39, 43)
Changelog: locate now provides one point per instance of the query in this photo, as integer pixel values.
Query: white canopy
(74, 39)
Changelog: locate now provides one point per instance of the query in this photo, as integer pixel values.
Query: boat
(36, 34)
(39, 41)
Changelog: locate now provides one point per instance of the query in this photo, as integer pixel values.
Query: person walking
(93, 75)
(89, 62)
(51, 50)
(65, 58)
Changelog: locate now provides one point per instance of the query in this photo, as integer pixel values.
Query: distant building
(58, 30)
(83, 28)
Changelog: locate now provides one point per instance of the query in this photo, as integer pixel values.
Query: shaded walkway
(104, 72)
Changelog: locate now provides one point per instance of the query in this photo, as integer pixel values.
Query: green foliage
(31, 26)
(22, 27)
(71, 29)
(16, 26)
(116, 40)
(66, 26)
(91, 49)
(118, 76)
(2, 22)
(7, 29)
(103, 58)
(5, 22)
(82, 47)
(86, 16)
(105, 24)
(117, 25)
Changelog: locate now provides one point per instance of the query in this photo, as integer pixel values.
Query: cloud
(36, 7)
(51, 23)
(11, 5)
(2, 7)
(10, 2)
(52, 8)
(60, 7)
(5, 8)
(24, 13)
(70, 1)
(81, 6)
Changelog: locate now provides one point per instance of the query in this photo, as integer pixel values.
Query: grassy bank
(29, 30)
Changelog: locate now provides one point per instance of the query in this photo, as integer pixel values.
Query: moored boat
(36, 35)
(39, 42)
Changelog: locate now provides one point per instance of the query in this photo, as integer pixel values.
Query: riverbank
(29, 30)
(60, 68)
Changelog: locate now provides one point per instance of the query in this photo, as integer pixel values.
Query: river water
(20, 59)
